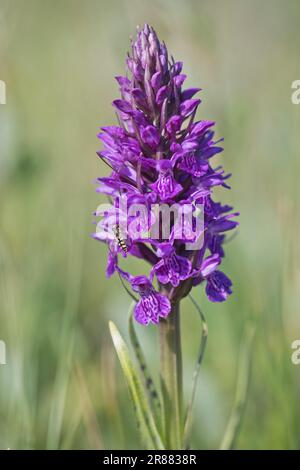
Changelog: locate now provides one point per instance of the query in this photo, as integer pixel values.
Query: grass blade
(153, 395)
(145, 417)
(189, 415)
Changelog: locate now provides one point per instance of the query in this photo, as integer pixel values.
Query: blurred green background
(62, 386)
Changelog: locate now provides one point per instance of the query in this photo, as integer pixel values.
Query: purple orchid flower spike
(161, 155)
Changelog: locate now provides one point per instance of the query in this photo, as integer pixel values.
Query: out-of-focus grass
(62, 387)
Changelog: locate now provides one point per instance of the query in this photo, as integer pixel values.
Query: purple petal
(114, 131)
(173, 269)
(201, 126)
(177, 67)
(111, 264)
(164, 249)
(156, 80)
(150, 136)
(161, 94)
(151, 307)
(189, 93)
(188, 106)
(218, 287)
(179, 79)
(222, 225)
(141, 284)
(166, 186)
(193, 166)
(209, 265)
(125, 86)
(123, 106)
(164, 305)
(138, 96)
(189, 145)
(211, 151)
(160, 271)
(173, 125)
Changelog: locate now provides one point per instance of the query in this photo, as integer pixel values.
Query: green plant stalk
(171, 378)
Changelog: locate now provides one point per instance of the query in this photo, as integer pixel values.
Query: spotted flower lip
(218, 287)
(172, 268)
(161, 154)
(166, 187)
(152, 305)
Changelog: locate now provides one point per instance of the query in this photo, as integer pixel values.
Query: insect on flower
(121, 241)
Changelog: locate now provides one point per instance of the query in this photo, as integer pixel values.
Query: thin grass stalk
(189, 414)
(242, 389)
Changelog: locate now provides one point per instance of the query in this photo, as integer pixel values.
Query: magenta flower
(160, 154)
(151, 305)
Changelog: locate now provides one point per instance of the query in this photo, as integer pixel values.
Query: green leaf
(203, 341)
(243, 380)
(144, 414)
(153, 395)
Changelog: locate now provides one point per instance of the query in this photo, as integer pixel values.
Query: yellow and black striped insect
(121, 242)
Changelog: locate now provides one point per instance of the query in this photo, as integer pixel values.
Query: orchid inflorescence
(160, 154)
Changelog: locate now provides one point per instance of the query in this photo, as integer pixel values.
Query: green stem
(171, 378)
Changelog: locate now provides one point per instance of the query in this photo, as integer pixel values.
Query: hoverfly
(121, 242)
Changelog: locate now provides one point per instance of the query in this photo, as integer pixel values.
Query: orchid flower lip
(161, 161)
